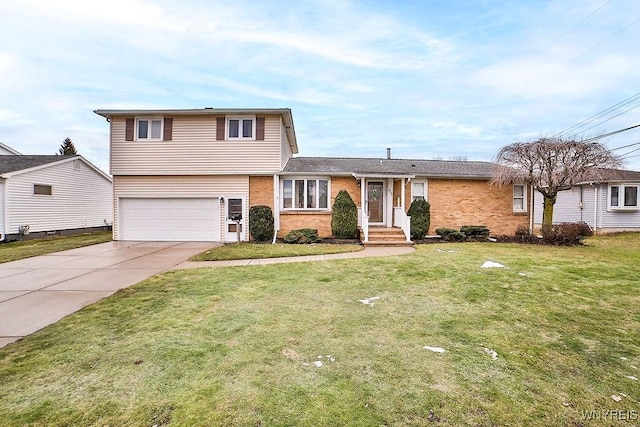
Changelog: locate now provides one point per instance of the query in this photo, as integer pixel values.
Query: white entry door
(234, 222)
(170, 219)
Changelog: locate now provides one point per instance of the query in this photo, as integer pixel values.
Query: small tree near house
(67, 148)
(420, 213)
(344, 217)
(551, 165)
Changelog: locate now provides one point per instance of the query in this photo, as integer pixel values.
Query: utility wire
(595, 138)
(585, 122)
(611, 118)
(551, 43)
(624, 146)
(632, 151)
(605, 40)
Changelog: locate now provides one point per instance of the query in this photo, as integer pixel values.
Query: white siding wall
(2, 210)
(567, 209)
(194, 150)
(80, 198)
(615, 220)
(177, 187)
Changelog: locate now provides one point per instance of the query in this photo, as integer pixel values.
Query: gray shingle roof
(12, 163)
(382, 166)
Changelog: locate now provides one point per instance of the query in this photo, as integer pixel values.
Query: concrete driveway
(36, 292)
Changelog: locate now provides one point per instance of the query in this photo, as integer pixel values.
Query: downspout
(595, 209)
(3, 183)
(276, 209)
(531, 208)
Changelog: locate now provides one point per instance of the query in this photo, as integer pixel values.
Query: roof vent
(388, 153)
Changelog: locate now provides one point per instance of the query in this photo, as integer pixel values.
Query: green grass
(261, 250)
(29, 248)
(236, 346)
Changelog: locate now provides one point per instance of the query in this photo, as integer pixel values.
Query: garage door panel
(170, 219)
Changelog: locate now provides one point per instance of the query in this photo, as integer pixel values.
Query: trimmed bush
(474, 231)
(302, 235)
(261, 223)
(569, 233)
(523, 231)
(450, 235)
(420, 213)
(344, 217)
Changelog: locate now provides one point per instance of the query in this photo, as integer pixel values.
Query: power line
(585, 122)
(595, 138)
(569, 30)
(605, 40)
(632, 151)
(624, 146)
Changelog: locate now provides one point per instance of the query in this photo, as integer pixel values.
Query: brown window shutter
(220, 129)
(128, 132)
(260, 128)
(168, 129)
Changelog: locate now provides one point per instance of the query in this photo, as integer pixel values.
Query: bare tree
(551, 165)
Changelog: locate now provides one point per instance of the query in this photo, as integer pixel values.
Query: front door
(234, 220)
(375, 201)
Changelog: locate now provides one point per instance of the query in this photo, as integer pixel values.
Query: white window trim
(620, 206)
(149, 119)
(293, 187)
(240, 118)
(426, 189)
(524, 198)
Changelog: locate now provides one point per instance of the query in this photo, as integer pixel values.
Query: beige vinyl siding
(285, 149)
(194, 150)
(178, 187)
(80, 198)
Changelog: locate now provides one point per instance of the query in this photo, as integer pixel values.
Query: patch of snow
(491, 264)
(623, 358)
(317, 364)
(434, 349)
(522, 274)
(631, 377)
(451, 251)
(368, 301)
(616, 398)
(491, 353)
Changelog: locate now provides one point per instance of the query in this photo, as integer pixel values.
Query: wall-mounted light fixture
(221, 199)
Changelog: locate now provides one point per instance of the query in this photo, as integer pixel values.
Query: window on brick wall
(519, 198)
(305, 194)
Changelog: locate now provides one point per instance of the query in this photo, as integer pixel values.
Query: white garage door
(196, 220)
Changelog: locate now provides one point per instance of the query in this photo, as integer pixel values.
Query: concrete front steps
(383, 236)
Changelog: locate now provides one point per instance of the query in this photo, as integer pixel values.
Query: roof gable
(11, 165)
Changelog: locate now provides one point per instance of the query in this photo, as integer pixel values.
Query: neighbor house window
(42, 190)
(623, 196)
(418, 190)
(241, 128)
(519, 198)
(305, 194)
(149, 129)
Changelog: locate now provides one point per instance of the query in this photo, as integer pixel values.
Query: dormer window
(241, 127)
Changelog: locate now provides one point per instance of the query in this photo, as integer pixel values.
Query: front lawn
(29, 248)
(551, 339)
(251, 250)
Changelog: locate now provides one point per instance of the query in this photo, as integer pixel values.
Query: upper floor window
(305, 194)
(42, 190)
(241, 128)
(519, 198)
(149, 129)
(418, 190)
(623, 196)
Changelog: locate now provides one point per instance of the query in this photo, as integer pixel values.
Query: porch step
(381, 236)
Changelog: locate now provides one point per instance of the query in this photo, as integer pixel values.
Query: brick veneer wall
(458, 202)
(292, 220)
(261, 191)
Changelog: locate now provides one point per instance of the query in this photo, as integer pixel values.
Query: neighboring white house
(6, 150)
(609, 205)
(52, 195)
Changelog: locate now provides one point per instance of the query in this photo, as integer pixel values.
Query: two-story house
(191, 175)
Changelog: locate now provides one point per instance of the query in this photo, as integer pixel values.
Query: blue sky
(429, 79)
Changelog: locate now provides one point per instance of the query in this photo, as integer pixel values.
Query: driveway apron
(36, 292)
